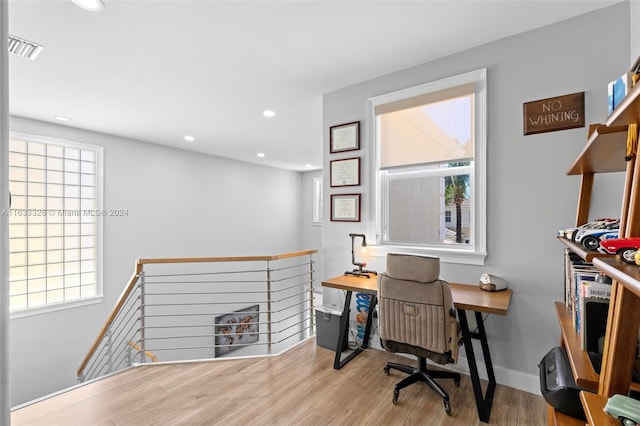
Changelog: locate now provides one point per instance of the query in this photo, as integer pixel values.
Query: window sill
(55, 307)
(446, 256)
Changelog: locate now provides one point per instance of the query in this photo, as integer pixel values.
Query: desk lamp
(359, 271)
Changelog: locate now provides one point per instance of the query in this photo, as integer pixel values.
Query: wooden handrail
(148, 354)
(227, 259)
(134, 279)
(123, 297)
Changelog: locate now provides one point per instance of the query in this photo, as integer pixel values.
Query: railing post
(269, 340)
(143, 345)
(129, 357)
(311, 297)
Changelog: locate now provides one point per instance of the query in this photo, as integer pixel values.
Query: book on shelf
(577, 271)
(593, 308)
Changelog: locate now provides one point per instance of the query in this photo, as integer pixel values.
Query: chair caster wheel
(396, 393)
(447, 408)
(386, 370)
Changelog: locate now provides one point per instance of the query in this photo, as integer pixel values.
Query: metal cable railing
(204, 308)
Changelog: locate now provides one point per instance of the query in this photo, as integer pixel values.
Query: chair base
(421, 374)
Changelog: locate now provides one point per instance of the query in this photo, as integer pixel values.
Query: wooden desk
(465, 297)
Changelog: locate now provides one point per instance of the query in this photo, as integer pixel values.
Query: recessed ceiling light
(92, 5)
(62, 118)
(189, 138)
(269, 113)
(261, 154)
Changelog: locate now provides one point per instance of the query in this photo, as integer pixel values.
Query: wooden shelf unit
(579, 249)
(594, 410)
(583, 372)
(581, 366)
(605, 152)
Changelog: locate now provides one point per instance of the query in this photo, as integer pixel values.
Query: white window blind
(410, 135)
(53, 224)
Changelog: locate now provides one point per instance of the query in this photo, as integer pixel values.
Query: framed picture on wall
(345, 172)
(344, 137)
(345, 207)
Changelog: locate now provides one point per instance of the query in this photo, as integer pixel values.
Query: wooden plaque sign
(551, 114)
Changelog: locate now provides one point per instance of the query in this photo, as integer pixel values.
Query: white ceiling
(159, 70)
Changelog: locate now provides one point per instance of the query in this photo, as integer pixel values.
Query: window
(317, 200)
(54, 223)
(430, 168)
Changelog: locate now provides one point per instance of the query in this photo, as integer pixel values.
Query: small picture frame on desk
(345, 207)
(345, 172)
(344, 137)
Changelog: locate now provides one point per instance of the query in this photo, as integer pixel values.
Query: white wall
(181, 204)
(529, 194)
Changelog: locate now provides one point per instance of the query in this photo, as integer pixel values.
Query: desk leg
(343, 338)
(367, 330)
(483, 403)
(338, 363)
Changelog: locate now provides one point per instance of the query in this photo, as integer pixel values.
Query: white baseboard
(515, 379)
(504, 376)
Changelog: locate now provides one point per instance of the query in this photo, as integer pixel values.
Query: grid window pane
(37, 257)
(37, 148)
(72, 191)
(72, 293)
(36, 162)
(55, 272)
(54, 150)
(17, 230)
(18, 302)
(17, 159)
(87, 192)
(52, 254)
(71, 178)
(16, 145)
(17, 188)
(55, 296)
(54, 177)
(17, 288)
(17, 173)
(17, 273)
(71, 206)
(37, 299)
(88, 290)
(55, 190)
(17, 245)
(71, 166)
(88, 155)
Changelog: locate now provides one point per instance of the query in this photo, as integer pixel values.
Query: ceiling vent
(24, 48)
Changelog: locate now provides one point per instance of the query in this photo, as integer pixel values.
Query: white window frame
(99, 150)
(474, 255)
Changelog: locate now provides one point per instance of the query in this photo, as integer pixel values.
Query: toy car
(637, 257)
(590, 238)
(569, 233)
(624, 247)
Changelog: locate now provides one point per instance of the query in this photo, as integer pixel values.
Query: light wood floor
(297, 388)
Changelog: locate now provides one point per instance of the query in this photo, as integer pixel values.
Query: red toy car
(625, 247)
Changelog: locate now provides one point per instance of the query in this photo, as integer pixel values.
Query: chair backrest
(416, 309)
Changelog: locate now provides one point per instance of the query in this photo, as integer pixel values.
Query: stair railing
(183, 309)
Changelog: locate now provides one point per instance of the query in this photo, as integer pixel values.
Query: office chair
(417, 317)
